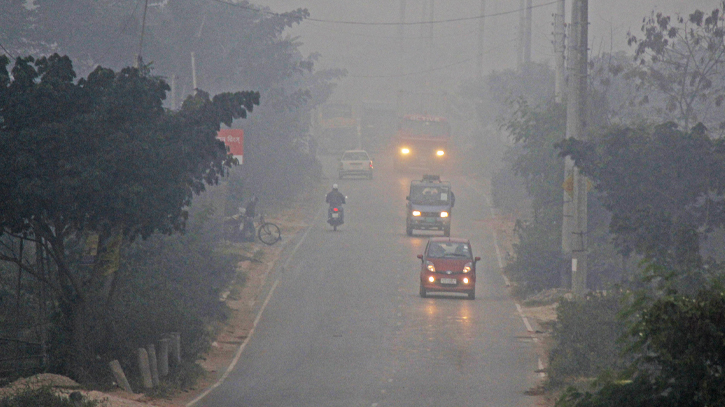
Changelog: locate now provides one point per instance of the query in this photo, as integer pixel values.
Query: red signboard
(234, 139)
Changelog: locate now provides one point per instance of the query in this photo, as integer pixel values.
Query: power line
(6, 51)
(450, 20)
(461, 62)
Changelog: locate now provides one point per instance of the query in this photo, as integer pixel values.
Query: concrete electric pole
(567, 221)
(527, 33)
(479, 61)
(576, 128)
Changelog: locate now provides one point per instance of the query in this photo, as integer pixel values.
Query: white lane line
(500, 265)
(526, 320)
(254, 324)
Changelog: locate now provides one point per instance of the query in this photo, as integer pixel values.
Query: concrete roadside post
(120, 377)
(153, 364)
(176, 347)
(143, 366)
(163, 357)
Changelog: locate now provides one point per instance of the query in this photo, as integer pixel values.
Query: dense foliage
(663, 187)
(587, 337)
(99, 156)
(679, 353)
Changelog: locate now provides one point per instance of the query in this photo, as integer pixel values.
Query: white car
(355, 162)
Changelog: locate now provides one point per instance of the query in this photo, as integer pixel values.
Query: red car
(448, 265)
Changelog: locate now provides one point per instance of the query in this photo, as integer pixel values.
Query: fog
(377, 65)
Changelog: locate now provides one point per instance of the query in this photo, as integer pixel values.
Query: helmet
(334, 186)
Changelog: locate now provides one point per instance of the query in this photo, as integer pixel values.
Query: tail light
(334, 209)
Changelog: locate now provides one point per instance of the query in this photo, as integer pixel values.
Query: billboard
(234, 139)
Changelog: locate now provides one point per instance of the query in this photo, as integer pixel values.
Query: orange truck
(423, 135)
(422, 142)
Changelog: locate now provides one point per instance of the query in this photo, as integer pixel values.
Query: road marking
(254, 324)
(520, 310)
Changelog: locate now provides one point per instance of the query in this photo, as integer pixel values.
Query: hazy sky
(377, 64)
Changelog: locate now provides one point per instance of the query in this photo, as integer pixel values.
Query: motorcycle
(335, 216)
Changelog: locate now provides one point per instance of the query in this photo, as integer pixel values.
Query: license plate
(430, 220)
(448, 281)
(335, 215)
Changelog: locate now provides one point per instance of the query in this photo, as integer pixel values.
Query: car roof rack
(431, 178)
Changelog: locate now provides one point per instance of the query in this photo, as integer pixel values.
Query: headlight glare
(440, 153)
(444, 214)
(416, 213)
(429, 265)
(405, 150)
(467, 267)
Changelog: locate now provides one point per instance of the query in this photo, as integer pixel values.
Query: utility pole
(139, 58)
(567, 220)
(193, 71)
(559, 48)
(479, 61)
(430, 42)
(522, 23)
(527, 33)
(576, 128)
(401, 29)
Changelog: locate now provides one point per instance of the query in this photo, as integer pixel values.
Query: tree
(683, 61)
(663, 186)
(100, 156)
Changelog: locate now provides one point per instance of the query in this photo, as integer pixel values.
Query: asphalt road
(344, 325)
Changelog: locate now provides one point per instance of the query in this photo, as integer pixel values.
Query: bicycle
(267, 232)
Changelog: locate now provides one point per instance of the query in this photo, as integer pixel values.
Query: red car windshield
(449, 250)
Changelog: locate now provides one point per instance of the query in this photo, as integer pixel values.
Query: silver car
(355, 162)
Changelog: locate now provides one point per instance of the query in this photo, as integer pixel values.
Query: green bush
(536, 264)
(586, 337)
(45, 397)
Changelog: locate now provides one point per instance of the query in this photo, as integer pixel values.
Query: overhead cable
(450, 20)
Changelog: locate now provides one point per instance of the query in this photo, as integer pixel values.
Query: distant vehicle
(448, 265)
(429, 205)
(422, 139)
(355, 162)
(422, 142)
(336, 127)
(378, 124)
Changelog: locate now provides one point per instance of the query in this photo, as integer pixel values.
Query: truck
(336, 127)
(423, 135)
(378, 124)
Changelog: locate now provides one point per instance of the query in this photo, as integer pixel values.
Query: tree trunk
(80, 357)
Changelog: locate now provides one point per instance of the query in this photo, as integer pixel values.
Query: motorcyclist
(335, 197)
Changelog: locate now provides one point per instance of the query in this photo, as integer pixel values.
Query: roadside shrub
(536, 263)
(170, 284)
(45, 397)
(587, 337)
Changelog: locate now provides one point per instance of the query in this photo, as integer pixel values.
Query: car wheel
(334, 228)
(447, 232)
(472, 294)
(408, 230)
(422, 291)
